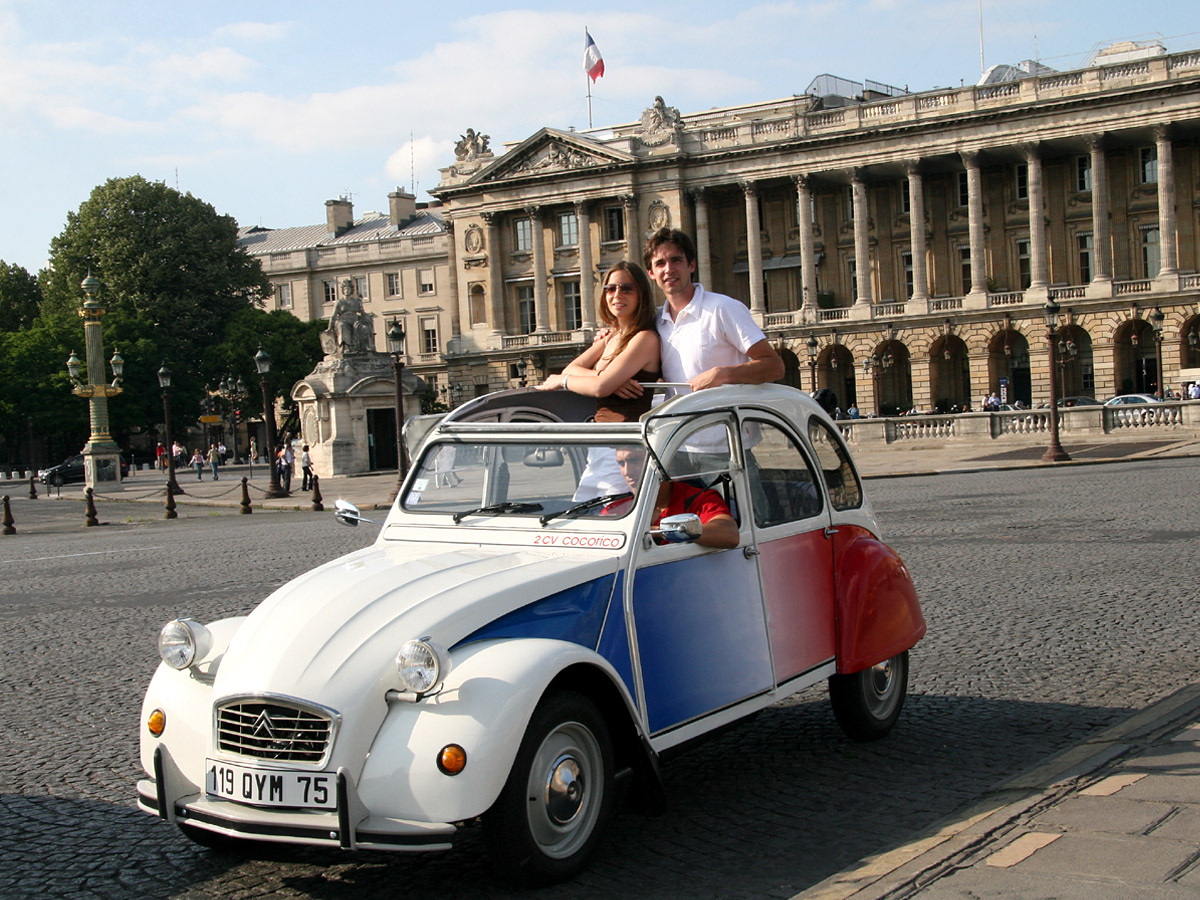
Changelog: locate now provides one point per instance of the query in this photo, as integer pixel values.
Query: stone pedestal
(336, 402)
(102, 467)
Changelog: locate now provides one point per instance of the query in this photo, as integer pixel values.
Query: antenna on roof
(412, 163)
(982, 66)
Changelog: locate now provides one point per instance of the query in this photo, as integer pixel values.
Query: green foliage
(20, 297)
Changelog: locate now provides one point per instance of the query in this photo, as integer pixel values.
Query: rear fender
(878, 614)
(484, 706)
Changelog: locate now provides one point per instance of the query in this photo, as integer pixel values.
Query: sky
(266, 110)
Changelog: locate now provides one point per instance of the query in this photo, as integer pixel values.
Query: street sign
(210, 420)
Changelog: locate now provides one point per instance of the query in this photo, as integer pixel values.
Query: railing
(888, 310)
(945, 304)
(1009, 298)
(1121, 288)
(1032, 421)
(1068, 293)
(916, 428)
(538, 339)
(834, 315)
(1152, 415)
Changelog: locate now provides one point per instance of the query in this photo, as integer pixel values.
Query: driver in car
(720, 529)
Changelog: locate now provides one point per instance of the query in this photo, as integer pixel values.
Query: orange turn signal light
(156, 722)
(452, 759)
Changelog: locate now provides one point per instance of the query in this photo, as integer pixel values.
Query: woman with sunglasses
(630, 350)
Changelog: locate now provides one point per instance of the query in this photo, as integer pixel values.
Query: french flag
(593, 62)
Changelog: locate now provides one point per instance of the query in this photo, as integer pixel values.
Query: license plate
(271, 787)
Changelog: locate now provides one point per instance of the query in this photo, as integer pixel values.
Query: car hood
(331, 635)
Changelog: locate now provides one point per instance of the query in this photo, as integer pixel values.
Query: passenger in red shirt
(675, 497)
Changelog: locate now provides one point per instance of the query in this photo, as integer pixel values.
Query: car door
(698, 621)
(790, 519)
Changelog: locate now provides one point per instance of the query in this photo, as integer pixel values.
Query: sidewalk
(1116, 817)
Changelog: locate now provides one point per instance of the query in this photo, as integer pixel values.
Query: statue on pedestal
(351, 329)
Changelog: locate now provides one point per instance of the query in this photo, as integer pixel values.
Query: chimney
(339, 216)
(402, 207)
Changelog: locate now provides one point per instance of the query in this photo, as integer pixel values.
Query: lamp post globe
(1156, 321)
(395, 340)
(811, 344)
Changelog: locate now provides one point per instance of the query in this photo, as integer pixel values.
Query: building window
(478, 305)
(1083, 173)
(429, 342)
(1148, 165)
(425, 281)
(526, 315)
(1151, 258)
(568, 229)
(905, 197)
(572, 305)
(523, 235)
(964, 189)
(1024, 266)
(906, 260)
(360, 285)
(1084, 242)
(853, 266)
(1022, 181)
(393, 284)
(284, 294)
(614, 223)
(330, 290)
(964, 268)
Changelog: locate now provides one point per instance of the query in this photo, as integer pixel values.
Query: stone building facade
(897, 247)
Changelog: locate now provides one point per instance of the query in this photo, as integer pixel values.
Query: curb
(951, 842)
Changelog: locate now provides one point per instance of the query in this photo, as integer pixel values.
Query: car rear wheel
(868, 703)
(549, 817)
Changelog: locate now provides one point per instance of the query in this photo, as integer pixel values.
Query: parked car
(519, 637)
(1079, 401)
(1130, 399)
(71, 469)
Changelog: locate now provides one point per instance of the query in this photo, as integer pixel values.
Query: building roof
(372, 227)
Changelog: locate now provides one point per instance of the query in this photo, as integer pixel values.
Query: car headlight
(183, 642)
(422, 665)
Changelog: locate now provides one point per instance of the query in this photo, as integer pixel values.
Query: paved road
(1059, 601)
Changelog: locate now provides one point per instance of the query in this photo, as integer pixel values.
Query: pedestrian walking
(253, 450)
(197, 463)
(214, 459)
(306, 468)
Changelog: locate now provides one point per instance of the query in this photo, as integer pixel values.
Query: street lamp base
(1055, 453)
(276, 492)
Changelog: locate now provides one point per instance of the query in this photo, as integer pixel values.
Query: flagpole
(588, 79)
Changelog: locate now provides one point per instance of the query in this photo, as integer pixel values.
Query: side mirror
(347, 513)
(684, 528)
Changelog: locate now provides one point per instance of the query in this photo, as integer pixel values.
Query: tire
(868, 703)
(551, 813)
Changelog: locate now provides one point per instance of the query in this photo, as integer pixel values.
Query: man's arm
(764, 365)
(720, 531)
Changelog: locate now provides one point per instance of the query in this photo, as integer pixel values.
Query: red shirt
(706, 503)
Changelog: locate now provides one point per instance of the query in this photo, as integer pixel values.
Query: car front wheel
(867, 703)
(549, 817)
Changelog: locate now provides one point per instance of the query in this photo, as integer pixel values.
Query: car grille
(273, 731)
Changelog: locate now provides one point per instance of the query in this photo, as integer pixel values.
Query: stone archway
(893, 377)
(1135, 358)
(949, 374)
(1075, 370)
(835, 370)
(1009, 374)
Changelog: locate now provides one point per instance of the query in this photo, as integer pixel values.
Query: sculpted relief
(351, 329)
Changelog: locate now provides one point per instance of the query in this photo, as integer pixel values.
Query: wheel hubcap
(565, 790)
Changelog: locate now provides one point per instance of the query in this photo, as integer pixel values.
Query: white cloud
(256, 32)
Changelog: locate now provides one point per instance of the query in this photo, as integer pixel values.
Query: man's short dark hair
(669, 236)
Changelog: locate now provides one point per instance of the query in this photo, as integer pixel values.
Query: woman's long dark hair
(646, 317)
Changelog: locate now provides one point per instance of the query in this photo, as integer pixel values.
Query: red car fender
(878, 614)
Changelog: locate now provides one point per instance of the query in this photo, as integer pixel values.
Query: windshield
(550, 480)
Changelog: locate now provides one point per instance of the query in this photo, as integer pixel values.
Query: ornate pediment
(550, 152)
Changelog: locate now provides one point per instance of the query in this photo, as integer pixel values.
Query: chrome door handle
(829, 531)
(749, 552)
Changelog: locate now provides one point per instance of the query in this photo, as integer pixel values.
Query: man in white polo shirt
(707, 339)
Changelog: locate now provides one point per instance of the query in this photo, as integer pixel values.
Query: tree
(20, 297)
(165, 260)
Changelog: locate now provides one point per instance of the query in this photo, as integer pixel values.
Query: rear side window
(782, 485)
(845, 490)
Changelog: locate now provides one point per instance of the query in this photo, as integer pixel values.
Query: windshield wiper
(585, 506)
(498, 509)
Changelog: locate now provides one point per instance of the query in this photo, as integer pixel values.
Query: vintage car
(520, 641)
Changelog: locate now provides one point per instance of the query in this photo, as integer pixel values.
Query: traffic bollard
(245, 502)
(8, 519)
(317, 506)
(91, 510)
(32, 487)
(170, 505)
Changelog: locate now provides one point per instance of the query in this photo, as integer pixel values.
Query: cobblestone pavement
(1059, 601)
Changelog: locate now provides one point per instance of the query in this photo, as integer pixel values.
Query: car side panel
(797, 576)
(878, 614)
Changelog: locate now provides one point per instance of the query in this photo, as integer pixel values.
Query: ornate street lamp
(1156, 321)
(164, 382)
(1066, 352)
(871, 366)
(395, 340)
(234, 393)
(102, 456)
(262, 362)
(1055, 452)
(812, 361)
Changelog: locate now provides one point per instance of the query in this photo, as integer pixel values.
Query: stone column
(916, 231)
(754, 249)
(703, 238)
(495, 274)
(587, 279)
(862, 246)
(633, 240)
(1167, 236)
(1039, 280)
(808, 259)
(541, 297)
(975, 224)
(452, 288)
(1102, 262)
